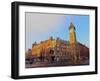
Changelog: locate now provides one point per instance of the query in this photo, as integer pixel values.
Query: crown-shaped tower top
(71, 26)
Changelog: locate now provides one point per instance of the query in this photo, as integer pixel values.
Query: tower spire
(72, 34)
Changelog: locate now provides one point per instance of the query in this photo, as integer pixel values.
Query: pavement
(50, 64)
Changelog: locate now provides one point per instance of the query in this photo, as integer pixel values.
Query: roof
(71, 26)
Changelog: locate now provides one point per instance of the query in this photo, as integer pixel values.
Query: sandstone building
(61, 50)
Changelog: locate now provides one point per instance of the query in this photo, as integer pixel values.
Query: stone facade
(61, 50)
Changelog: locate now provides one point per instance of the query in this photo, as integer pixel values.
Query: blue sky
(40, 27)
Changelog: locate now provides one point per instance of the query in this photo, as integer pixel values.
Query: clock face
(71, 30)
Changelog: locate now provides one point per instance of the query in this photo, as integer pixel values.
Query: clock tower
(72, 34)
